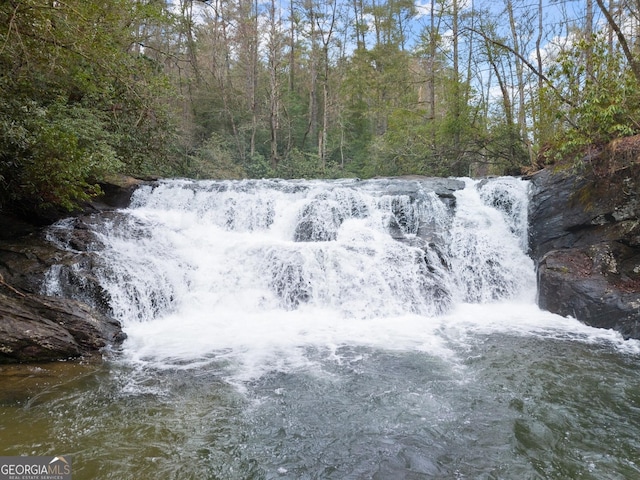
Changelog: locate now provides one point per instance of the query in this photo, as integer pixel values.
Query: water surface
(329, 330)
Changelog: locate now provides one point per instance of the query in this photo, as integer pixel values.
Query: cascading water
(192, 265)
(379, 329)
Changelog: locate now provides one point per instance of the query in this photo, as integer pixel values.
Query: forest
(306, 89)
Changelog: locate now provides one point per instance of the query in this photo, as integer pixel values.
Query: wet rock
(319, 222)
(26, 217)
(322, 217)
(37, 328)
(117, 191)
(25, 261)
(585, 240)
(29, 263)
(406, 194)
(573, 282)
(415, 185)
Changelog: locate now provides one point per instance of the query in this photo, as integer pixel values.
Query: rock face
(37, 327)
(585, 239)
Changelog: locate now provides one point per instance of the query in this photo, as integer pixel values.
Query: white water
(211, 272)
(326, 330)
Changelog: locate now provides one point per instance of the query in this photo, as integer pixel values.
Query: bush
(53, 155)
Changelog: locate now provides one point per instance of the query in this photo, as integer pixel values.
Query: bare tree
(326, 25)
(312, 119)
(519, 34)
(632, 59)
(274, 51)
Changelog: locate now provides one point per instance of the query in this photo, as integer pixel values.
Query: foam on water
(249, 275)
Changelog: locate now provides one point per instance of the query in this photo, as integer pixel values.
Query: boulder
(37, 328)
(572, 282)
(416, 185)
(117, 191)
(585, 241)
(22, 218)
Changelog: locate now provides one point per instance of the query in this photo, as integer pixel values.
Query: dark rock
(321, 218)
(571, 283)
(414, 188)
(319, 222)
(415, 185)
(585, 240)
(12, 226)
(117, 191)
(287, 278)
(26, 217)
(24, 262)
(37, 328)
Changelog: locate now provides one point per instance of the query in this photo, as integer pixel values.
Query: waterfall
(194, 269)
(326, 329)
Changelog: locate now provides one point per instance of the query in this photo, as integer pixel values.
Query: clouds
(424, 7)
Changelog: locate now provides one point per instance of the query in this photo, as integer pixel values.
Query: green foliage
(299, 164)
(504, 151)
(91, 88)
(69, 147)
(76, 101)
(607, 103)
(403, 148)
(215, 159)
(258, 167)
(50, 155)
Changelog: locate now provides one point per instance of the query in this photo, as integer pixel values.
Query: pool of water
(326, 330)
(500, 405)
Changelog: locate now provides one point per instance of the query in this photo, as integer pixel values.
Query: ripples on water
(512, 407)
(229, 373)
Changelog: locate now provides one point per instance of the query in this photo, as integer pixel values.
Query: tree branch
(536, 72)
(2, 282)
(633, 63)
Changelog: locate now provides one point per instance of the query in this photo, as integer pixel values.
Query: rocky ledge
(37, 327)
(585, 239)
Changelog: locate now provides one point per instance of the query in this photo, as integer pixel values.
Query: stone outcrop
(24, 218)
(585, 239)
(321, 219)
(38, 327)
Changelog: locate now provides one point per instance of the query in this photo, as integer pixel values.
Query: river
(329, 330)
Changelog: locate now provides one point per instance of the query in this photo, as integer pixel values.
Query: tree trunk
(522, 118)
(254, 78)
(633, 62)
(312, 123)
(274, 85)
